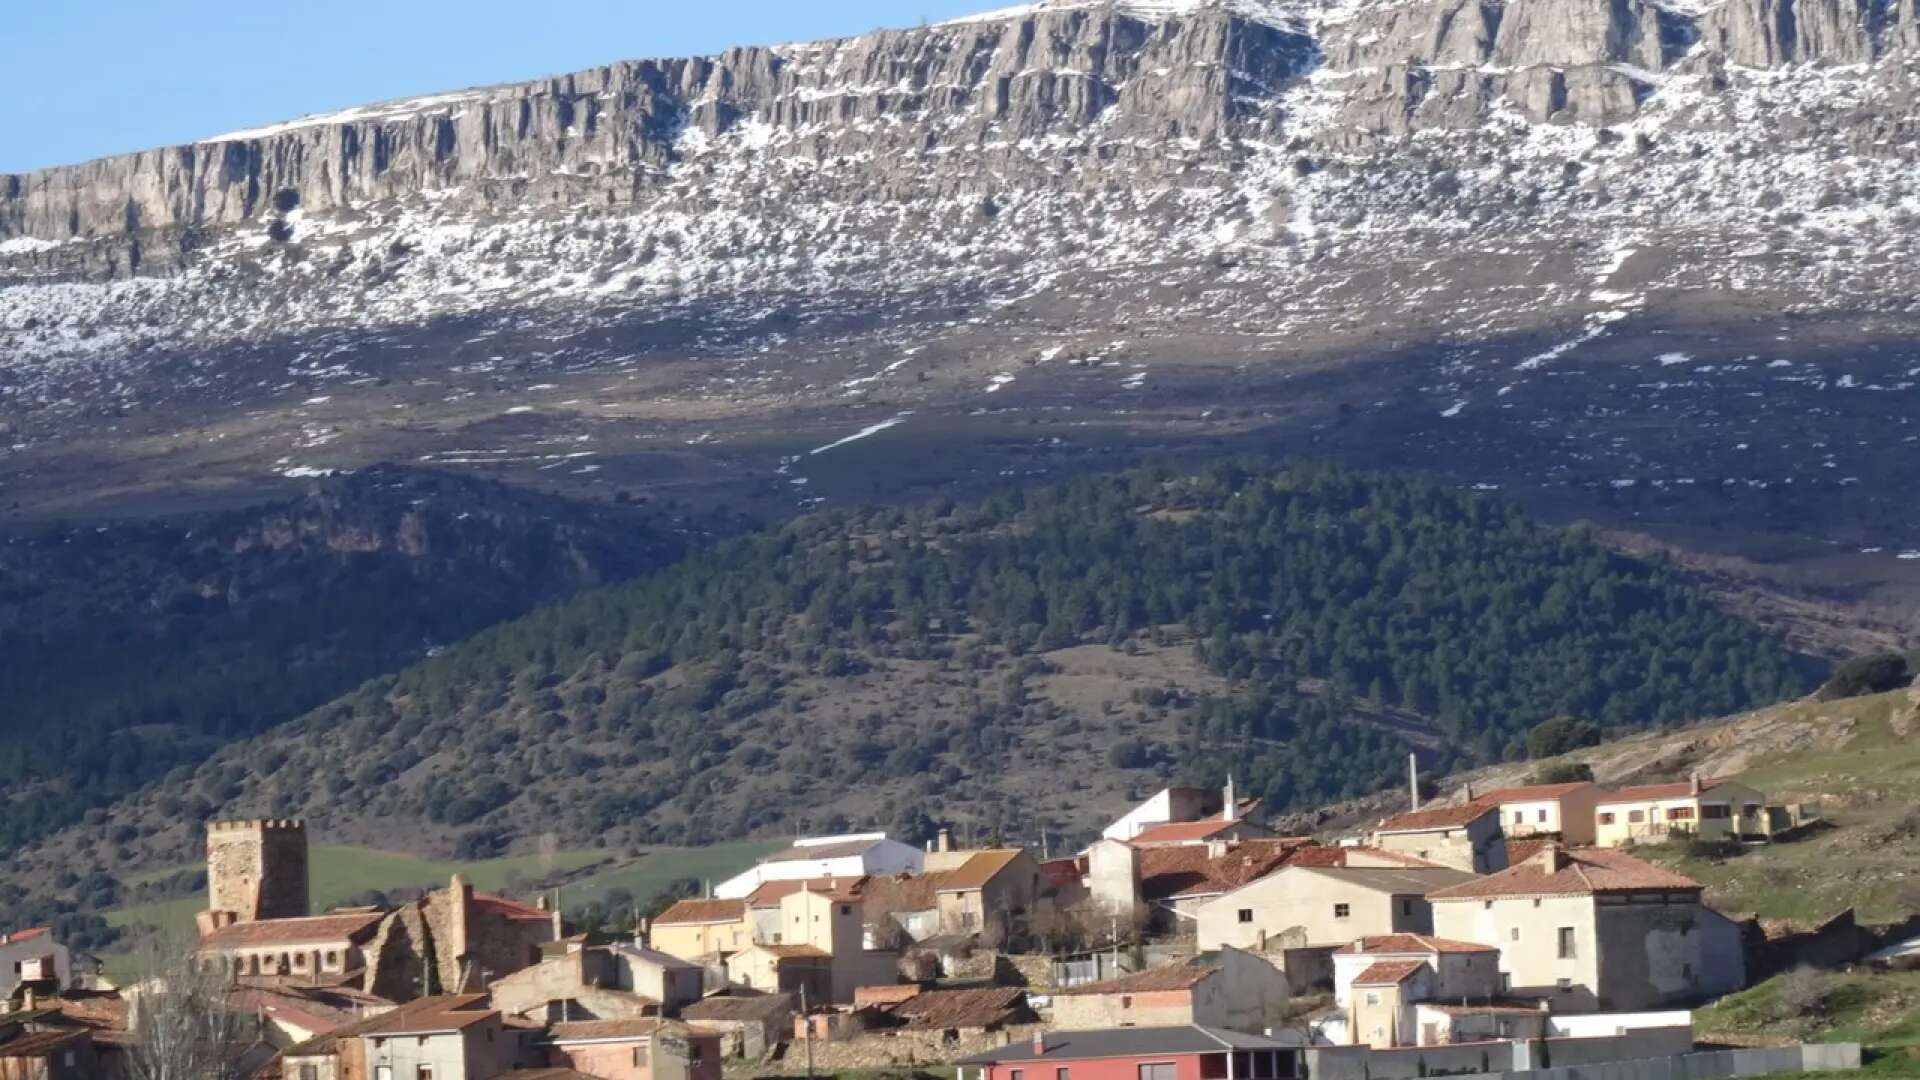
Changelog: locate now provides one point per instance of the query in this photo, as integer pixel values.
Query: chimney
(945, 842)
(1469, 791)
(1039, 1042)
(1229, 806)
(1413, 781)
(1694, 781)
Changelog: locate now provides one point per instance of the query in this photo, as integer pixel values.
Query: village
(1511, 932)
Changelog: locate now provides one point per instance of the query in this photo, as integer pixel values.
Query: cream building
(700, 930)
(1707, 809)
(1323, 906)
(1563, 810)
(1596, 930)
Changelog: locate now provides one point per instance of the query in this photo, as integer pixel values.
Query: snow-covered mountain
(1613, 254)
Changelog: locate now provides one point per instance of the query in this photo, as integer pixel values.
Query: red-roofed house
(1467, 837)
(1594, 929)
(1380, 1010)
(1225, 988)
(635, 1050)
(1183, 804)
(33, 948)
(1198, 832)
(1707, 808)
(1563, 810)
(1462, 970)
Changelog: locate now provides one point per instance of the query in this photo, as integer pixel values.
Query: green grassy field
(658, 867)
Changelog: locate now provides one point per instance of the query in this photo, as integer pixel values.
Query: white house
(1177, 805)
(32, 953)
(854, 855)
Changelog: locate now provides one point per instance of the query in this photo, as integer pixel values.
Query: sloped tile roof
(631, 1028)
(770, 893)
(35, 1043)
(739, 1007)
(1679, 789)
(702, 911)
(1558, 871)
(1388, 972)
(1533, 792)
(977, 871)
(1413, 943)
(312, 930)
(23, 935)
(1445, 817)
(509, 909)
(1191, 870)
(793, 952)
(447, 1012)
(938, 1010)
(1519, 851)
(1183, 832)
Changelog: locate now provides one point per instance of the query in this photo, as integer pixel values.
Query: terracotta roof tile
(702, 911)
(1063, 872)
(1558, 871)
(1445, 817)
(1533, 792)
(1679, 789)
(1412, 943)
(22, 935)
(864, 996)
(35, 1043)
(312, 930)
(1182, 832)
(448, 1012)
(1519, 851)
(632, 1028)
(741, 1007)
(1190, 870)
(938, 1010)
(1388, 972)
(793, 952)
(510, 909)
(1317, 856)
(770, 893)
(977, 871)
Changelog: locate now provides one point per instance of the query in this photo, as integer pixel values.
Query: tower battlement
(257, 868)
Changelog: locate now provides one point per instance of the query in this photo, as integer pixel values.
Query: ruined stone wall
(900, 1049)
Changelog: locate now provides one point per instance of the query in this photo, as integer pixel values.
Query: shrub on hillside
(1560, 735)
(1564, 772)
(1873, 674)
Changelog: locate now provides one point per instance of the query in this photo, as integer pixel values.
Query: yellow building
(700, 930)
(1563, 810)
(1706, 809)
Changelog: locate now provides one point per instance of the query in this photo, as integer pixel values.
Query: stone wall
(257, 869)
(900, 1049)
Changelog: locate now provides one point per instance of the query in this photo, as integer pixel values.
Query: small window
(846, 909)
(1543, 815)
(1519, 816)
(1567, 949)
(424, 1072)
(1341, 911)
(1246, 916)
(1516, 934)
(1636, 816)
(1126, 1001)
(1680, 813)
(1373, 998)
(1062, 1074)
(1606, 817)
(309, 1072)
(1019, 1074)
(1563, 984)
(66, 1059)
(383, 1072)
(1406, 906)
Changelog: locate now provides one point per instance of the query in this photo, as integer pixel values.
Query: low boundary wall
(1639, 1056)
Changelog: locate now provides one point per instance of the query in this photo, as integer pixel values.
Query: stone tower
(257, 869)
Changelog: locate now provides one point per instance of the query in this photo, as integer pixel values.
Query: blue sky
(86, 78)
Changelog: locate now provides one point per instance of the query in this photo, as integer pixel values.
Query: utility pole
(807, 1019)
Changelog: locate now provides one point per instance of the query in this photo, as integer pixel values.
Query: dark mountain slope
(884, 666)
(129, 649)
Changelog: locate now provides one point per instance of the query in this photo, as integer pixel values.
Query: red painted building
(1191, 1052)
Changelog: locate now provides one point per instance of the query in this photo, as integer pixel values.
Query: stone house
(34, 955)
(1596, 930)
(1466, 837)
(634, 1049)
(1225, 988)
(1562, 810)
(988, 888)
(851, 856)
(31, 1048)
(600, 982)
(1696, 807)
(749, 1024)
(1177, 879)
(702, 930)
(333, 947)
(822, 950)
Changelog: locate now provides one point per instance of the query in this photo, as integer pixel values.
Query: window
(333, 958)
(1636, 816)
(66, 1059)
(1159, 1070)
(1246, 916)
(309, 1072)
(1542, 813)
(1126, 1001)
(423, 1072)
(1516, 933)
(1680, 813)
(1606, 817)
(383, 1072)
(1567, 951)
(846, 909)
(1406, 906)
(1506, 981)
(1062, 1074)
(637, 1063)
(1341, 911)
(1019, 1074)
(1563, 984)
(1519, 816)
(1715, 813)
(300, 960)
(1373, 997)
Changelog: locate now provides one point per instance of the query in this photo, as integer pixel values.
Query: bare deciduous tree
(184, 1024)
